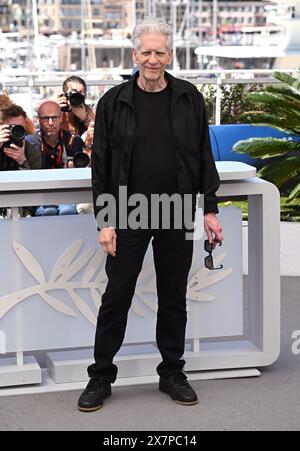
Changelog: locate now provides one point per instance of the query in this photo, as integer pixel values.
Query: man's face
(19, 120)
(153, 56)
(50, 119)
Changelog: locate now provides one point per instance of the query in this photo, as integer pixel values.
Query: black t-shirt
(153, 160)
(152, 165)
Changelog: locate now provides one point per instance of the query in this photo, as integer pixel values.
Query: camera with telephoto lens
(16, 135)
(75, 98)
(80, 160)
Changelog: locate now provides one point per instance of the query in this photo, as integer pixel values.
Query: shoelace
(180, 379)
(94, 383)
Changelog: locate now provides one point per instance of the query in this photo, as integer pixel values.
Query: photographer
(78, 118)
(54, 144)
(12, 155)
(56, 147)
(15, 152)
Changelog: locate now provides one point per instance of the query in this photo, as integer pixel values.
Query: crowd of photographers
(63, 138)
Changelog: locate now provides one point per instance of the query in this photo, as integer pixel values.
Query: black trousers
(172, 260)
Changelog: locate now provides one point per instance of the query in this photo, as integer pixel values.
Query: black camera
(80, 160)
(75, 98)
(17, 134)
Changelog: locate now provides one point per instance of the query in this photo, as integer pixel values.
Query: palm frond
(274, 101)
(290, 124)
(266, 147)
(284, 92)
(289, 80)
(294, 193)
(281, 172)
(279, 108)
(287, 122)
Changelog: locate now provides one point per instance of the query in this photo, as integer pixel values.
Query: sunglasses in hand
(208, 261)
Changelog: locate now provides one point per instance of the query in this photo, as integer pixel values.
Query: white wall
(289, 248)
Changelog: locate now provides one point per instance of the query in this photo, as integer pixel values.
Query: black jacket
(114, 136)
(71, 145)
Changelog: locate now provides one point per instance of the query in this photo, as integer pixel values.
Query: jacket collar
(127, 92)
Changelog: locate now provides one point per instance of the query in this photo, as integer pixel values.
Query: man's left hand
(89, 138)
(16, 153)
(213, 229)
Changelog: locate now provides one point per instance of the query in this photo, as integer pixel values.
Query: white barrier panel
(54, 277)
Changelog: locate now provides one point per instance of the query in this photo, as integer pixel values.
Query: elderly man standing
(151, 136)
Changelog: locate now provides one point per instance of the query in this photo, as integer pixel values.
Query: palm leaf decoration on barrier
(94, 279)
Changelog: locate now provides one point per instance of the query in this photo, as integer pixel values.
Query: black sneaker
(179, 389)
(97, 390)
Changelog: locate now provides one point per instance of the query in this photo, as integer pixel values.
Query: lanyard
(60, 147)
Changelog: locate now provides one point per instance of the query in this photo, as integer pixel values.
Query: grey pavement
(268, 403)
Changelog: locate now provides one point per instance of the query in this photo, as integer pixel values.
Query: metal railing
(49, 82)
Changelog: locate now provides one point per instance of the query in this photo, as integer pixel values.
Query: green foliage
(289, 124)
(266, 147)
(286, 93)
(279, 107)
(290, 210)
(233, 101)
(209, 93)
(295, 193)
(282, 171)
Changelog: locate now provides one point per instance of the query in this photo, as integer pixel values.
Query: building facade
(5, 12)
(106, 17)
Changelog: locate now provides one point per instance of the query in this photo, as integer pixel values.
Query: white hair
(159, 26)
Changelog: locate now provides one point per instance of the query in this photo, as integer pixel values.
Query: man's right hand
(4, 134)
(108, 240)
